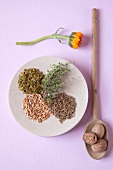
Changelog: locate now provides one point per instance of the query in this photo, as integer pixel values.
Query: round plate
(50, 127)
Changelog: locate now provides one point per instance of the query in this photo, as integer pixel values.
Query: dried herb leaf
(30, 81)
(52, 81)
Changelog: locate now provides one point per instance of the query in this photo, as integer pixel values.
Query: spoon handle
(94, 63)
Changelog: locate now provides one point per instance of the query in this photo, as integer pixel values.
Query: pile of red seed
(36, 108)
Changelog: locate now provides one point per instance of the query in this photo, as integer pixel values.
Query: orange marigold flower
(75, 39)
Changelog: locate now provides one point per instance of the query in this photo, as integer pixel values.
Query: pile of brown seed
(36, 108)
(63, 107)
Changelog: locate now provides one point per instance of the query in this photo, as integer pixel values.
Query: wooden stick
(94, 63)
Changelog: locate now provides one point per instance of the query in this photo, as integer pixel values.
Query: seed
(63, 106)
(39, 110)
(30, 81)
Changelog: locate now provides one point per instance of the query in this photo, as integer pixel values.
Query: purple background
(28, 20)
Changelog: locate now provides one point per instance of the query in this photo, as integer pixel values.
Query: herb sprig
(52, 81)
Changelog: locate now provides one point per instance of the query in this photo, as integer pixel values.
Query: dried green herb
(30, 81)
(53, 80)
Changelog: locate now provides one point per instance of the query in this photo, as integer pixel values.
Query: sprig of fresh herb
(52, 81)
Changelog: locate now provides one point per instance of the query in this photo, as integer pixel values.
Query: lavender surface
(28, 20)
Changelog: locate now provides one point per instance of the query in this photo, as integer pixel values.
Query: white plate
(50, 127)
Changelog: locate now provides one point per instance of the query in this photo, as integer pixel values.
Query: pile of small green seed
(30, 81)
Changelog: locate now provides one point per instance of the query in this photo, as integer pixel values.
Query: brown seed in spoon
(100, 146)
(99, 130)
(90, 138)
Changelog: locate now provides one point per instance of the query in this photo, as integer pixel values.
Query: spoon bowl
(90, 125)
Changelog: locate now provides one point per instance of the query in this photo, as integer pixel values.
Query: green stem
(53, 36)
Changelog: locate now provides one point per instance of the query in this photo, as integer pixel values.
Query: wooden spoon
(95, 120)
